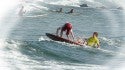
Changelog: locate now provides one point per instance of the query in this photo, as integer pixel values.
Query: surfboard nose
(47, 34)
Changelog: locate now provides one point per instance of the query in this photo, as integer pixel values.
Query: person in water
(93, 41)
(67, 27)
(60, 10)
(22, 11)
(71, 11)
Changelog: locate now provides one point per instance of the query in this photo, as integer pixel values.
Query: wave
(38, 7)
(46, 4)
(45, 50)
(91, 3)
(19, 54)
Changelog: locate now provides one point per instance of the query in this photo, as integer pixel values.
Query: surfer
(93, 41)
(66, 27)
(60, 10)
(71, 11)
(21, 12)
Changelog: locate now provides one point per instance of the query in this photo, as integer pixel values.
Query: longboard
(57, 38)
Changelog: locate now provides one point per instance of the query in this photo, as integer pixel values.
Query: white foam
(41, 38)
(109, 41)
(12, 58)
(73, 66)
(34, 16)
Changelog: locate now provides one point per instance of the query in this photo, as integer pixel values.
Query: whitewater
(24, 45)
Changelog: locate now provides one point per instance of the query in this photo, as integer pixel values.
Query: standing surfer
(67, 27)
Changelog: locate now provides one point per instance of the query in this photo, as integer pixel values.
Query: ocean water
(24, 45)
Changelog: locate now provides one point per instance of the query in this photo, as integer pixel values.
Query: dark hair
(95, 33)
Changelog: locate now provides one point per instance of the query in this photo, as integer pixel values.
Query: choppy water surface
(27, 47)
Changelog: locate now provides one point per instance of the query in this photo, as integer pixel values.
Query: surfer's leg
(67, 36)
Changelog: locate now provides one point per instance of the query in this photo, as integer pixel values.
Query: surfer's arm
(98, 46)
(57, 31)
